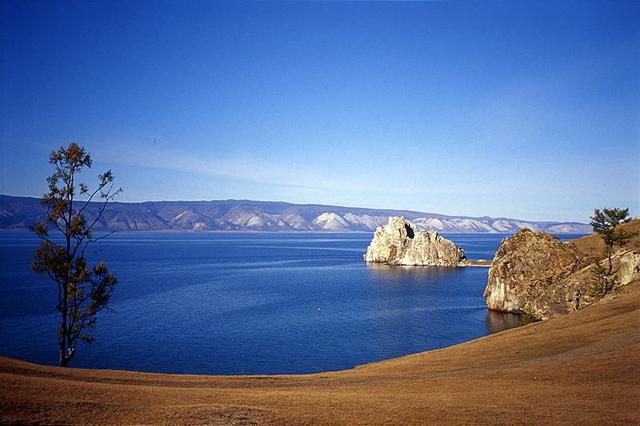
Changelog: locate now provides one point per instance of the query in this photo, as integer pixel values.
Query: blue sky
(519, 109)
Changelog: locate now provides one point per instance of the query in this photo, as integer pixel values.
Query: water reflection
(499, 321)
(410, 273)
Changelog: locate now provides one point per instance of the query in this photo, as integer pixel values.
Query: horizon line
(322, 205)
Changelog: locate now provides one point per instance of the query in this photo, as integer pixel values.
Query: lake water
(250, 303)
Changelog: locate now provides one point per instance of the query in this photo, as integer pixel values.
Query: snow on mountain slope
(527, 225)
(365, 221)
(471, 225)
(572, 228)
(188, 219)
(430, 224)
(502, 226)
(251, 219)
(238, 215)
(330, 221)
(295, 222)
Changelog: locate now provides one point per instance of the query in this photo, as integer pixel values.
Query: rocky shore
(536, 274)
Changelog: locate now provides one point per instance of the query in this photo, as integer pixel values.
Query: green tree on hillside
(605, 222)
(83, 290)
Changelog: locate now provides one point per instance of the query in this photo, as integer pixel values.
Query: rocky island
(400, 243)
(536, 274)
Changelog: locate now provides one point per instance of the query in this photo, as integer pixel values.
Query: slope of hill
(246, 215)
(594, 249)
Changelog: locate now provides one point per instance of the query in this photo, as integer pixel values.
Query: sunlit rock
(400, 243)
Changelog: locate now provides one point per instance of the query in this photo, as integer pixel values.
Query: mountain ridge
(19, 213)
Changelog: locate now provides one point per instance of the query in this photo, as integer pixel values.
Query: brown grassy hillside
(593, 247)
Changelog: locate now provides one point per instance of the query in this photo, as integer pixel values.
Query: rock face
(400, 243)
(525, 268)
(536, 274)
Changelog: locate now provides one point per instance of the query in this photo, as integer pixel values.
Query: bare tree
(83, 290)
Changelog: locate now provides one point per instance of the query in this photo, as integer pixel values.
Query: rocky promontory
(536, 274)
(400, 243)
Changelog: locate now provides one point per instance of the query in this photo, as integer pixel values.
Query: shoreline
(479, 263)
(250, 231)
(541, 373)
(354, 366)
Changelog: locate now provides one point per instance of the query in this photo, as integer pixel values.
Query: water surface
(250, 303)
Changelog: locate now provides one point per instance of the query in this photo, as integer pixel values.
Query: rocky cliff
(537, 274)
(400, 243)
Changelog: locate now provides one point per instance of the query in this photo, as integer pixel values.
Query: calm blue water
(250, 303)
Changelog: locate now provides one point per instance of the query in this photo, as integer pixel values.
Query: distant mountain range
(19, 213)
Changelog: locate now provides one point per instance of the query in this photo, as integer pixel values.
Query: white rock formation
(400, 243)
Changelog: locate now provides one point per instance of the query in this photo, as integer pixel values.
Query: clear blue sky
(520, 109)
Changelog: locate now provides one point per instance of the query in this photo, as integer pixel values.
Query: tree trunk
(61, 359)
(62, 333)
(66, 355)
(64, 360)
(605, 281)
